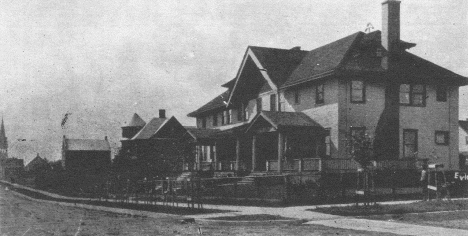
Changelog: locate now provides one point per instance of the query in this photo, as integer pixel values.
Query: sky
(102, 61)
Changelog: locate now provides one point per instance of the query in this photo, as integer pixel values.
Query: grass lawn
(398, 209)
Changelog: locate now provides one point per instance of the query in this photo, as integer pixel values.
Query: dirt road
(23, 217)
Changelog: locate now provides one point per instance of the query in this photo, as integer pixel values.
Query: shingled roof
(150, 128)
(279, 119)
(136, 121)
(87, 145)
(279, 63)
(322, 60)
(217, 102)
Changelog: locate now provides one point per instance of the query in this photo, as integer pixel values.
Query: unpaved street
(19, 216)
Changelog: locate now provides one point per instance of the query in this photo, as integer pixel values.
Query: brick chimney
(162, 113)
(391, 25)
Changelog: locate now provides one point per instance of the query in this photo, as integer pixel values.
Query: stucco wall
(435, 116)
(462, 145)
(359, 114)
(325, 114)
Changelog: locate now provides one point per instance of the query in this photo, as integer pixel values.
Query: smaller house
(11, 168)
(36, 164)
(86, 156)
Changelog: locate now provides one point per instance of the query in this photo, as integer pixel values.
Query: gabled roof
(150, 128)
(36, 161)
(136, 121)
(218, 102)
(87, 145)
(322, 60)
(279, 63)
(279, 119)
(463, 124)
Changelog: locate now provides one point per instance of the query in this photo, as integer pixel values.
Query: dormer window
(215, 120)
(273, 102)
(203, 122)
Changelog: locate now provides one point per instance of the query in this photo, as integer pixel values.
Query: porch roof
(279, 120)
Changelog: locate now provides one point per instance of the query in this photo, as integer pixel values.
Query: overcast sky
(102, 61)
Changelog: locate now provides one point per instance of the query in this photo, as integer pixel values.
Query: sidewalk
(303, 213)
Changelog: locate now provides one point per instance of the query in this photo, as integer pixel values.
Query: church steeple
(3, 142)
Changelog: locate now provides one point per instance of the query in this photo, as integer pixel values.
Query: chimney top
(162, 113)
(296, 48)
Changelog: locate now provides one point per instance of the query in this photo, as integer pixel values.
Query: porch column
(199, 153)
(215, 155)
(254, 151)
(280, 151)
(237, 153)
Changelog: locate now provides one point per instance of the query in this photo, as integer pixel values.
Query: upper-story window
(259, 105)
(319, 94)
(245, 110)
(297, 98)
(358, 91)
(413, 94)
(410, 142)
(442, 137)
(273, 102)
(240, 111)
(215, 120)
(203, 122)
(227, 116)
(223, 119)
(441, 93)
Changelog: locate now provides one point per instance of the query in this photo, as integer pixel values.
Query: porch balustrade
(226, 166)
(322, 164)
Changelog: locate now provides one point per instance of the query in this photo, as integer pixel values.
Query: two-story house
(293, 110)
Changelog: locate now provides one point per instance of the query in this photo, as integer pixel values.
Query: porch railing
(226, 165)
(334, 164)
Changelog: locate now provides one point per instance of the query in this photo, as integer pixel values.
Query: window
(259, 105)
(466, 140)
(441, 93)
(297, 98)
(223, 120)
(410, 143)
(229, 116)
(215, 120)
(327, 143)
(413, 94)
(442, 137)
(246, 111)
(240, 111)
(319, 94)
(273, 102)
(358, 91)
(203, 122)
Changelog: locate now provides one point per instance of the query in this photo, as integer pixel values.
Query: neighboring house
(152, 149)
(10, 168)
(86, 156)
(463, 137)
(294, 110)
(36, 164)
